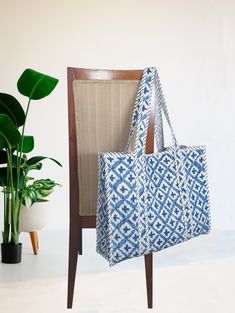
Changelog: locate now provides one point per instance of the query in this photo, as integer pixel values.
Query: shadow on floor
(218, 244)
(52, 260)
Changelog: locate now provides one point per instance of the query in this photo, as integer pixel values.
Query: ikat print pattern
(148, 202)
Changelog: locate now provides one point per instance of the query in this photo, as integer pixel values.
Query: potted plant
(14, 147)
(37, 191)
(34, 212)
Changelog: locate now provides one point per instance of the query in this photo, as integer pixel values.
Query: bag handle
(141, 104)
(161, 105)
(158, 126)
(140, 116)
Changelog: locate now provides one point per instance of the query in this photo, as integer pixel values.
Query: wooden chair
(100, 104)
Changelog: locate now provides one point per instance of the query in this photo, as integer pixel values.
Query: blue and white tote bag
(149, 202)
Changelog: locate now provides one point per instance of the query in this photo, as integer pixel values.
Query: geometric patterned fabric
(148, 202)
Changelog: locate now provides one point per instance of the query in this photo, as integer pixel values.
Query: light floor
(196, 276)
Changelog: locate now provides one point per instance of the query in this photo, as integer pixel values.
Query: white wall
(191, 42)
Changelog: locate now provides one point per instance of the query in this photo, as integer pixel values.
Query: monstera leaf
(9, 134)
(35, 85)
(10, 105)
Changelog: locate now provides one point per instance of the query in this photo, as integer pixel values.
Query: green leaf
(9, 134)
(44, 183)
(35, 85)
(36, 166)
(39, 158)
(3, 177)
(28, 144)
(10, 105)
(29, 197)
(43, 187)
(3, 158)
(42, 193)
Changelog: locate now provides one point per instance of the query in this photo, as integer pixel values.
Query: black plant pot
(11, 254)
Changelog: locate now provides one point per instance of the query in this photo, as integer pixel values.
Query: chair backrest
(100, 104)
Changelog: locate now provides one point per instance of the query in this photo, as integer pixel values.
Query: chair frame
(77, 221)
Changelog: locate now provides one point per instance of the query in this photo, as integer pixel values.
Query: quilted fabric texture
(148, 202)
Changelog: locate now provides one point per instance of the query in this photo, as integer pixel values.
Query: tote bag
(149, 202)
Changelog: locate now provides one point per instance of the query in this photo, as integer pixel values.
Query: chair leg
(34, 241)
(80, 240)
(148, 259)
(75, 247)
(37, 240)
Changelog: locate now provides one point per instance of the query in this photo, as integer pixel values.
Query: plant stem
(19, 149)
(6, 231)
(6, 217)
(18, 165)
(10, 189)
(14, 231)
(22, 192)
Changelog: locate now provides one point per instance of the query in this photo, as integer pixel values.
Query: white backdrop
(191, 42)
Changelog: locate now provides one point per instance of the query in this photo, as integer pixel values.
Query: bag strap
(161, 106)
(145, 106)
(140, 116)
(136, 115)
(158, 125)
